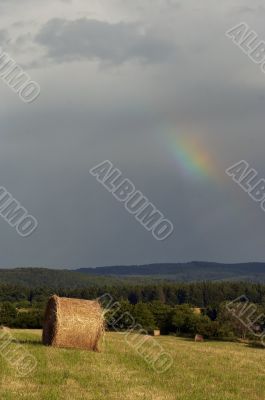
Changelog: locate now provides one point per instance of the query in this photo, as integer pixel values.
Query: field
(201, 371)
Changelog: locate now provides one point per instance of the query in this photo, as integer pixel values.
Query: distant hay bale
(73, 323)
(199, 338)
(5, 328)
(156, 332)
(197, 310)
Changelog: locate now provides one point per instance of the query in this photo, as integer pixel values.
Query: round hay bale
(199, 338)
(73, 323)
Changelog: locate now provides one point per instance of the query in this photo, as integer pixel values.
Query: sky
(157, 88)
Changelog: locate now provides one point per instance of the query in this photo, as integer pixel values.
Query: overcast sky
(127, 81)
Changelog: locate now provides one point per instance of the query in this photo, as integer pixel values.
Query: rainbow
(192, 157)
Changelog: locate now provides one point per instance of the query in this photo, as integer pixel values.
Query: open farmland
(201, 371)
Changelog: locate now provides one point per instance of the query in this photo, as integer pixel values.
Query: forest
(174, 308)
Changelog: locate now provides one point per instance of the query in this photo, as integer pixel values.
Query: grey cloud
(3, 36)
(91, 39)
(247, 9)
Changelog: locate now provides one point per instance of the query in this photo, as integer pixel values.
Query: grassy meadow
(201, 371)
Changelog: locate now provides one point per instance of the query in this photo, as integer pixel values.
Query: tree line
(179, 308)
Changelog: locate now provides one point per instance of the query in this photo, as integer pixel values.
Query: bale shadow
(27, 341)
(255, 345)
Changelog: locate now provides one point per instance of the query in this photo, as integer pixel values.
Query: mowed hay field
(201, 371)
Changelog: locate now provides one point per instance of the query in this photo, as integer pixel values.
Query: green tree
(162, 315)
(184, 320)
(8, 313)
(143, 316)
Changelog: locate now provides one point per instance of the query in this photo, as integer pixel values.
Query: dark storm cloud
(191, 81)
(90, 39)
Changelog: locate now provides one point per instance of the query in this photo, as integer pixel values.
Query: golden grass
(201, 371)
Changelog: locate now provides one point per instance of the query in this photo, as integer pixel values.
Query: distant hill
(42, 277)
(185, 272)
(134, 274)
(55, 278)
